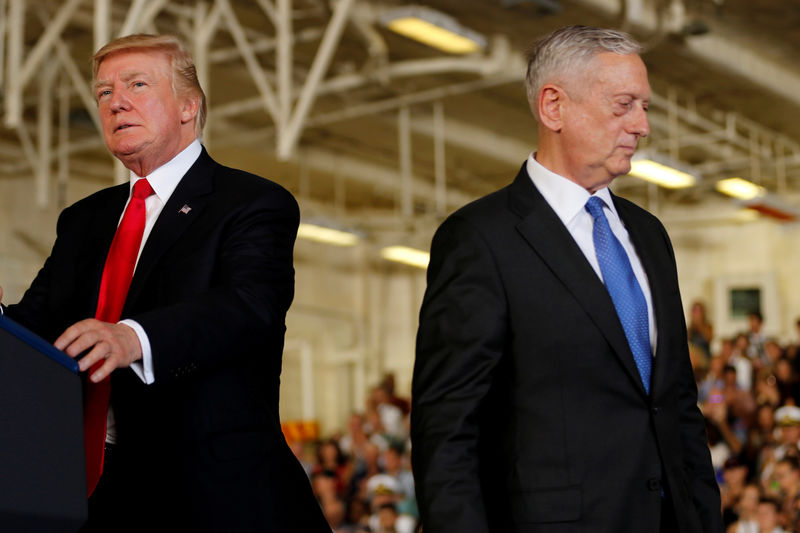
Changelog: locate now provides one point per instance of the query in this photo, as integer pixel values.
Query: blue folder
(32, 339)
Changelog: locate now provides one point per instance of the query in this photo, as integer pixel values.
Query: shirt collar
(566, 197)
(165, 178)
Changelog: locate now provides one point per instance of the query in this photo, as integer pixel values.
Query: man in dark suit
(193, 441)
(552, 388)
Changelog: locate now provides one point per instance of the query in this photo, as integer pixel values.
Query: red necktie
(117, 275)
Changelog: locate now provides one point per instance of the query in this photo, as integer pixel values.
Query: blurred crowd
(748, 389)
(362, 476)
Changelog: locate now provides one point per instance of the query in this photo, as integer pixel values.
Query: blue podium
(42, 472)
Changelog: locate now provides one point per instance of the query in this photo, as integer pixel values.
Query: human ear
(550, 103)
(191, 106)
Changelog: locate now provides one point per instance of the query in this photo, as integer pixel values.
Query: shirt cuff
(143, 368)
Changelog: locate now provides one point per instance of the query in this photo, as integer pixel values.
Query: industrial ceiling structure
(378, 132)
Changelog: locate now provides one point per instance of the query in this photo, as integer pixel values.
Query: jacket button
(654, 410)
(654, 484)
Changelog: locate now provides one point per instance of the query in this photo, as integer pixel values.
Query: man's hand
(117, 344)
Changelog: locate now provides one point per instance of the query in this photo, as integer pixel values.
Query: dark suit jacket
(212, 287)
(528, 411)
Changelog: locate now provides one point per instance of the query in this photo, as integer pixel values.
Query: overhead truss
(295, 53)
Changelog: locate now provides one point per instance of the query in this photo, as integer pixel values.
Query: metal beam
(3, 28)
(16, 42)
(269, 9)
(79, 83)
(287, 139)
(45, 134)
(51, 34)
(439, 161)
(251, 61)
(405, 161)
(132, 18)
(285, 69)
(102, 23)
(378, 176)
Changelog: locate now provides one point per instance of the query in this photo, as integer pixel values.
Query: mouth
(121, 127)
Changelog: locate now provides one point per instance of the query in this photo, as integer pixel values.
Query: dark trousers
(104, 505)
(669, 523)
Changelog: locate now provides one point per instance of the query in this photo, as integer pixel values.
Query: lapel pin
(185, 209)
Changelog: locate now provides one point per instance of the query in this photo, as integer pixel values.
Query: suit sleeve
(241, 313)
(462, 330)
(697, 458)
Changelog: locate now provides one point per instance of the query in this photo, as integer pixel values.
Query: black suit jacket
(203, 444)
(528, 412)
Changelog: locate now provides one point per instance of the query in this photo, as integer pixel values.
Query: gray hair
(567, 50)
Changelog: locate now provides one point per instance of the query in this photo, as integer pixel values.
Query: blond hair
(184, 73)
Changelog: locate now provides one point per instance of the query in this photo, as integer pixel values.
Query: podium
(42, 464)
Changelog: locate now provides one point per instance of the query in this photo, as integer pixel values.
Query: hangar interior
(380, 136)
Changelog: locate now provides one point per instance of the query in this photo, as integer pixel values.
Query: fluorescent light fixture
(740, 188)
(406, 255)
(433, 28)
(313, 232)
(756, 198)
(661, 174)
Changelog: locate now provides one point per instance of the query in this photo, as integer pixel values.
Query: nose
(639, 124)
(119, 101)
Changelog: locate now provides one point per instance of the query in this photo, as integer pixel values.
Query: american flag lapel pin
(185, 209)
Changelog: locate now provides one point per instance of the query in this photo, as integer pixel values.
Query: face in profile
(603, 118)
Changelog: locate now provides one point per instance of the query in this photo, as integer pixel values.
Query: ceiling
(376, 132)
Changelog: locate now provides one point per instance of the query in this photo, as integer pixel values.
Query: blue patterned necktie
(625, 291)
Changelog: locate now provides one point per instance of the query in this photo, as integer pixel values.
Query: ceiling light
(406, 255)
(313, 232)
(664, 175)
(740, 188)
(433, 28)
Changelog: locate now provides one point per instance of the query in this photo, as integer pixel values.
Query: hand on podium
(116, 343)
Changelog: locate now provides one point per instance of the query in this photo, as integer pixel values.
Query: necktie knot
(142, 189)
(595, 206)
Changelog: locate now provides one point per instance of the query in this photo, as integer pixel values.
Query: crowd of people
(749, 392)
(362, 476)
(748, 389)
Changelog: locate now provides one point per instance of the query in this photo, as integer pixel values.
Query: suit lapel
(193, 191)
(547, 235)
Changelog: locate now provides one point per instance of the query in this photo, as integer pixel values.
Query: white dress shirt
(568, 200)
(163, 180)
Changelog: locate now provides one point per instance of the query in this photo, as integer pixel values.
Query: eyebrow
(125, 76)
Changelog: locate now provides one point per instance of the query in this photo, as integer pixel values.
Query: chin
(620, 169)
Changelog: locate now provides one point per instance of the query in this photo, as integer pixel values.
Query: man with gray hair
(552, 387)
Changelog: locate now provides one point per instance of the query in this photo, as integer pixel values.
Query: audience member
(383, 491)
(755, 337)
(787, 477)
(768, 516)
(747, 511)
(700, 330)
